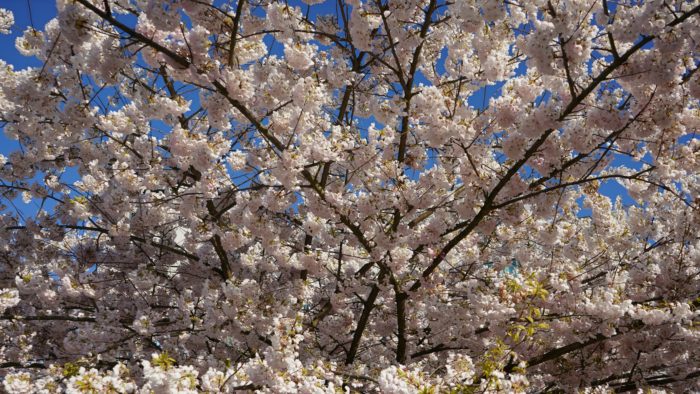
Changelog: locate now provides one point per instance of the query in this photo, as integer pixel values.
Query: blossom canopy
(403, 196)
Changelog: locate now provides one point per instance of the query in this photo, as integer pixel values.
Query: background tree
(393, 195)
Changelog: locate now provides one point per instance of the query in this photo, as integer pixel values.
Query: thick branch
(362, 323)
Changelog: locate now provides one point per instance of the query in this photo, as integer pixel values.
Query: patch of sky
(511, 269)
(614, 189)
(584, 211)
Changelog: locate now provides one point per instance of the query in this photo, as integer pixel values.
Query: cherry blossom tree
(351, 196)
